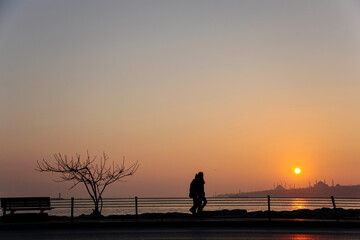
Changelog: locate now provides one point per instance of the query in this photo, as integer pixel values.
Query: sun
(297, 170)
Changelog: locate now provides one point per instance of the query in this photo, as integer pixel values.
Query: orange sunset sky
(244, 91)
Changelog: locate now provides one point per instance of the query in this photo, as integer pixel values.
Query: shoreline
(320, 218)
(320, 213)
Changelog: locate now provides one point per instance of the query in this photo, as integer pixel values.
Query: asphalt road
(183, 233)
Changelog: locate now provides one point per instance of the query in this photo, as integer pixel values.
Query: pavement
(184, 223)
(184, 233)
(183, 229)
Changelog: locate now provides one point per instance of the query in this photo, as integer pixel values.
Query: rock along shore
(321, 218)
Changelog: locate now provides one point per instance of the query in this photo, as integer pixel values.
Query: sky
(244, 91)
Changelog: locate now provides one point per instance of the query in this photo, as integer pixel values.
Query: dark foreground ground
(171, 233)
(235, 224)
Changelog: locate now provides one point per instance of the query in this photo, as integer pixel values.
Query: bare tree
(95, 176)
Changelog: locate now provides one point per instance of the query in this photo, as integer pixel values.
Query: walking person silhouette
(194, 195)
(197, 193)
(201, 197)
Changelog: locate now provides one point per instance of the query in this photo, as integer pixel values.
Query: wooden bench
(25, 204)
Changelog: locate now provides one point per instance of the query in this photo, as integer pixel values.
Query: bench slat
(23, 209)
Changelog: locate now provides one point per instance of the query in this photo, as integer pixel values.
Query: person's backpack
(192, 192)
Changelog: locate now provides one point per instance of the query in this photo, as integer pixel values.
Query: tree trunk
(96, 210)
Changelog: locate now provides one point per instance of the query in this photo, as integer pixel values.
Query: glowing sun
(297, 170)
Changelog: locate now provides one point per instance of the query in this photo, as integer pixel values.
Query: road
(197, 233)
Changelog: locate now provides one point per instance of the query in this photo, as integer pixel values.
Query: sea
(131, 206)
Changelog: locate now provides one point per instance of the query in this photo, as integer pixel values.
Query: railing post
(269, 214)
(136, 207)
(335, 210)
(72, 209)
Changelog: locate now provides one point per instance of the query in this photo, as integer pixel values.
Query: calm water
(121, 206)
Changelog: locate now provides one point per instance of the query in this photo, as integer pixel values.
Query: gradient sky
(244, 91)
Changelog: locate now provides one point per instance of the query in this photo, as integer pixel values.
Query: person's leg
(202, 204)
(193, 208)
(198, 204)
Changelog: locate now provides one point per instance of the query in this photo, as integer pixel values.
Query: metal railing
(135, 206)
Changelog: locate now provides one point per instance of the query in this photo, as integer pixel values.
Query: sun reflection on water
(298, 204)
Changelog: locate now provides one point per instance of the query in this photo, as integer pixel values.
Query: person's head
(201, 177)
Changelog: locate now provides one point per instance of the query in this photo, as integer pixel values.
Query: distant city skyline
(244, 91)
(318, 189)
